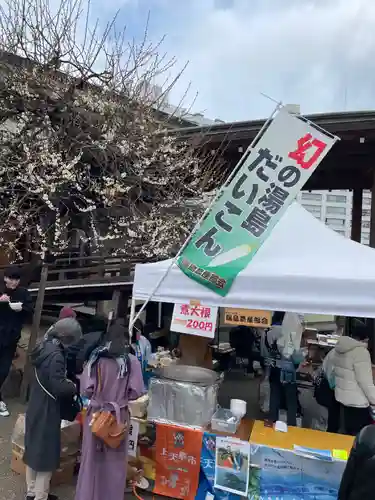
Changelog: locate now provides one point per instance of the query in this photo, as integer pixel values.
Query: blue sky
(318, 53)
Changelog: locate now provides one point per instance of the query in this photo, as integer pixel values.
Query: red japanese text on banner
(268, 179)
(195, 319)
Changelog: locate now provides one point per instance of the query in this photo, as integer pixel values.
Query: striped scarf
(104, 351)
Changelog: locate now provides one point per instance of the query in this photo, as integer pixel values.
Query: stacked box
(70, 448)
(64, 475)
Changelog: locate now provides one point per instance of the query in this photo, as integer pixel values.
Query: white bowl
(238, 407)
(15, 305)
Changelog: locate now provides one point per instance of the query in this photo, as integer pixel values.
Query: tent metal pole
(131, 319)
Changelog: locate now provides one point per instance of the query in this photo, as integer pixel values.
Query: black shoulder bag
(70, 406)
(323, 393)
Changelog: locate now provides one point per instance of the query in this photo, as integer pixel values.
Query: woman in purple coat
(111, 378)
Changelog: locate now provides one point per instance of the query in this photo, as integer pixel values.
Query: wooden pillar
(355, 233)
(357, 215)
(122, 310)
(115, 302)
(372, 221)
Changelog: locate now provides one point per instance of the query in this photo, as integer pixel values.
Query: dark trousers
(254, 356)
(334, 413)
(355, 419)
(289, 391)
(6, 357)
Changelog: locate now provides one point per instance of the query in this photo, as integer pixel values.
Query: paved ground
(12, 486)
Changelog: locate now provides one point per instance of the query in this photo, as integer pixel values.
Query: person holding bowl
(15, 308)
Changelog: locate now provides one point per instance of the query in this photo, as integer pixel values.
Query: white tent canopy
(302, 267)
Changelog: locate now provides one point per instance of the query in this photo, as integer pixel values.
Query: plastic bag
(18, 435)
(70, 438)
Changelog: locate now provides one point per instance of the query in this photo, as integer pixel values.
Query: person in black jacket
(15, 308)
(358, 480)
(242, 339)
(43, 415)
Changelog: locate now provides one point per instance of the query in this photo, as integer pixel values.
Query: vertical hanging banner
(178, 452)
(247, 210)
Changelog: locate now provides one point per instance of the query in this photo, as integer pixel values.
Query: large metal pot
(183, 394)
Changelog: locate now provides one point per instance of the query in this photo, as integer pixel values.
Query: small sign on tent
(242, 218)
(194, 319)
(247, 317)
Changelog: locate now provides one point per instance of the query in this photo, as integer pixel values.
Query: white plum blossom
(83, 151)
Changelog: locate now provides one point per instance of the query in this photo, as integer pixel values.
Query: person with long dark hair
(111, 378)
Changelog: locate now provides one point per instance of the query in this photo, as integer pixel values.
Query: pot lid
(190, 374)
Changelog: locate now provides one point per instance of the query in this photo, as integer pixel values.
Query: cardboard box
(70, 437)
(64, 475)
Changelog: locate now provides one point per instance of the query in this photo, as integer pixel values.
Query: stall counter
(277, 470)
(308, 438)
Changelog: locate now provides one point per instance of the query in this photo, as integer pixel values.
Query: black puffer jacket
(358, 480)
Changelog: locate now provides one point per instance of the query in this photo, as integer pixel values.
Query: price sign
(194, 319)
(133, 437)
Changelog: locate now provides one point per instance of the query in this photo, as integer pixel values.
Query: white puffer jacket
(354, 385)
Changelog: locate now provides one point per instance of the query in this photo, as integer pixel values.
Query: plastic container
(224, 421)
(238, 407)
(138, 407)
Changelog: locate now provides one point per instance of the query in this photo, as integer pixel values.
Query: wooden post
(357, 215)
(115, 303)
(122, 311)
(100, 309)
(34, 331)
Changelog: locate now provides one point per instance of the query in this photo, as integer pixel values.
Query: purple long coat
(102, 473)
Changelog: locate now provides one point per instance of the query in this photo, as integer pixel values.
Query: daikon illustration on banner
(247, 210)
